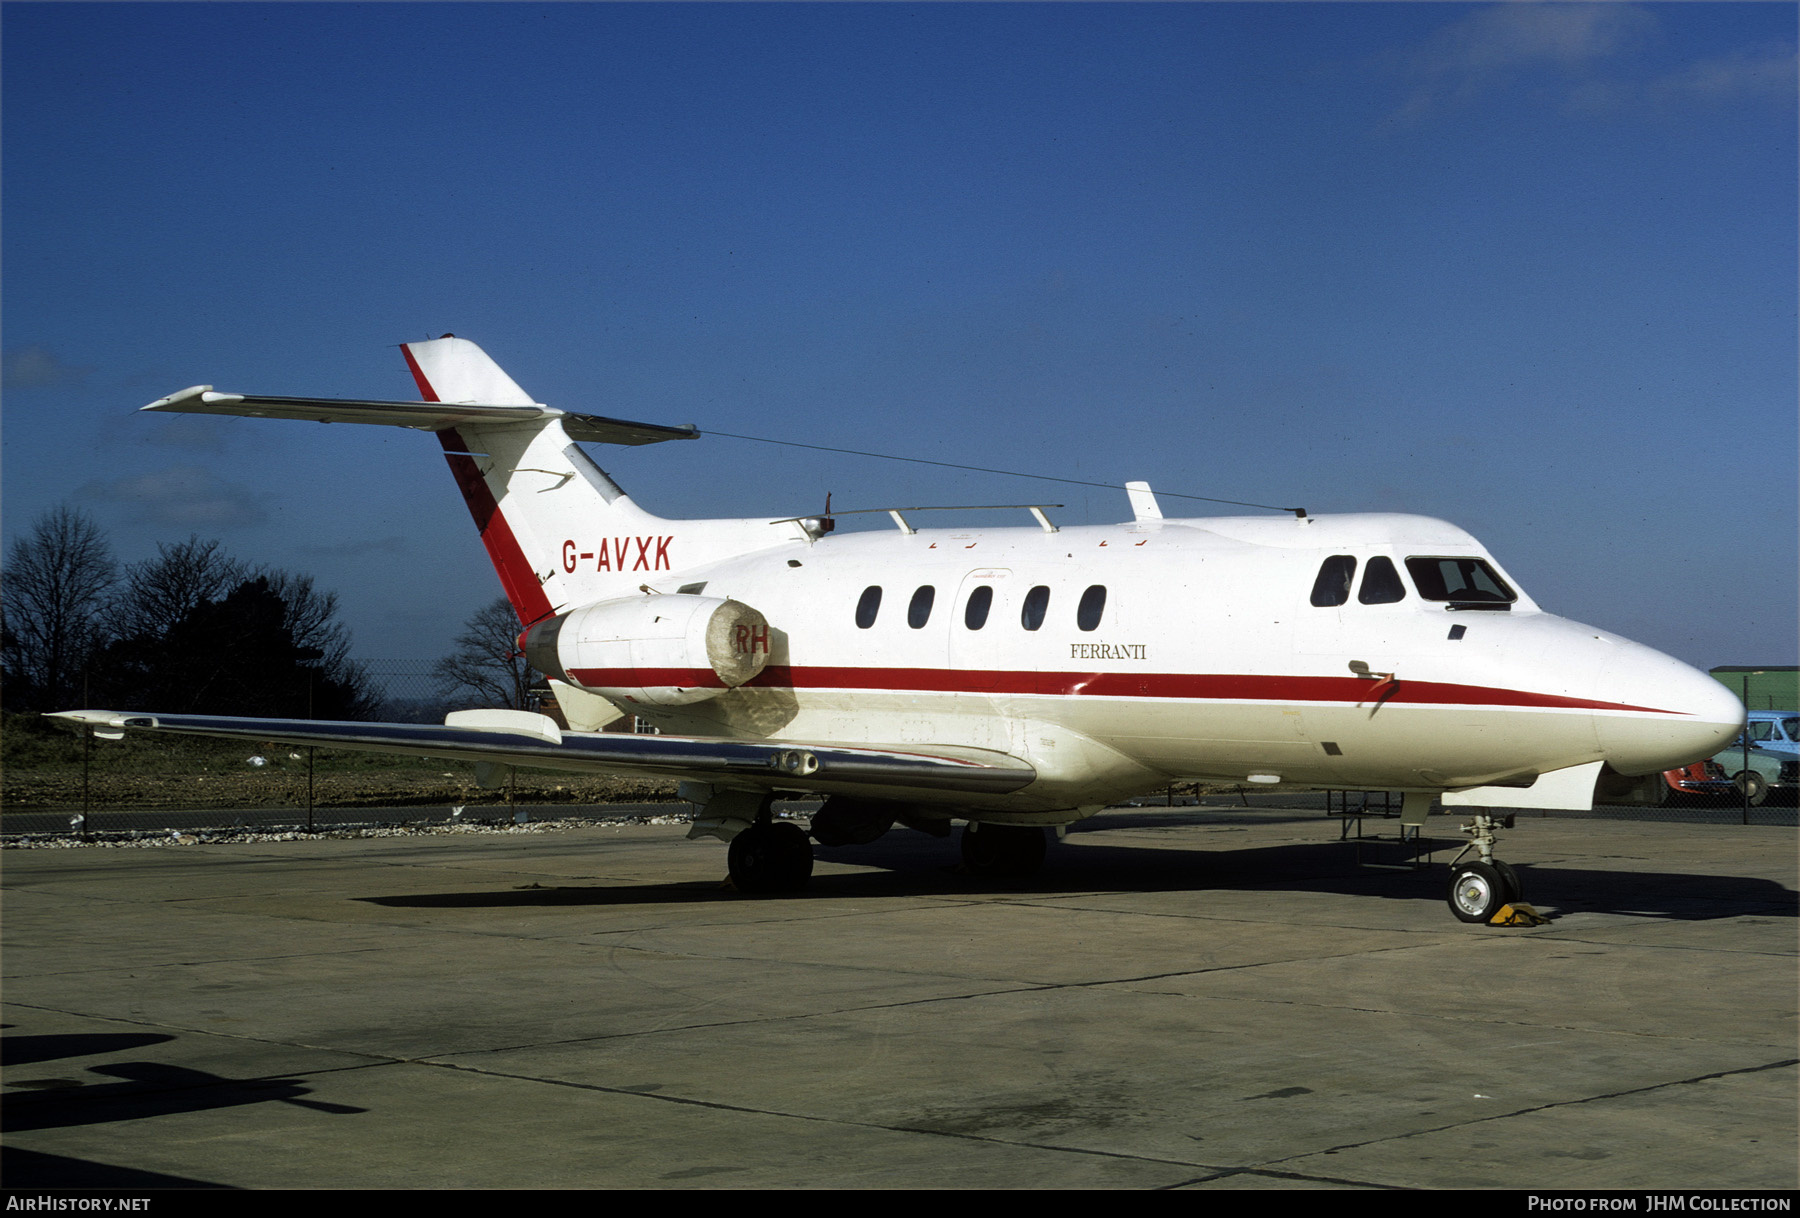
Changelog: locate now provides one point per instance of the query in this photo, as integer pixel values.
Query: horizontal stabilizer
(424, 416)
(758, 764)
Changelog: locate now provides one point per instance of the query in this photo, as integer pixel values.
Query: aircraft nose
(1671, 714)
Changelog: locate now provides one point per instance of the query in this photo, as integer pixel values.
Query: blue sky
(1530, 268)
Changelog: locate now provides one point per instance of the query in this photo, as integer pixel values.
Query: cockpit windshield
(1467, 583)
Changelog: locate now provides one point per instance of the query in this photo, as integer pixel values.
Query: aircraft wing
(522, 738)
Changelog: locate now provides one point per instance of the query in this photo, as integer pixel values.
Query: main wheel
(1477, 891)
(1002, 851)
(774, 857)
(1752, 786)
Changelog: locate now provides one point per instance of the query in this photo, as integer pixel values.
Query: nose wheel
(1479, 890)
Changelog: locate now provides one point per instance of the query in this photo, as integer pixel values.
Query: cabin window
(1381, 583)
(868, 606)
(919, 612)
(1037, 601)
(1461, 581)
(1333, 585)
(1093, 604)
(975, 613)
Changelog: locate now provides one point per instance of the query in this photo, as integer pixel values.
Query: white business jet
(1013, 679)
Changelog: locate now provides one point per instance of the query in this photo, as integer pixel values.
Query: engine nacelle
(667, 650)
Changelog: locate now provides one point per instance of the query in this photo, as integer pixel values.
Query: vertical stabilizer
(558, 530)
(528, 487)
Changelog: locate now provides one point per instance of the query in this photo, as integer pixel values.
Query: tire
(1477, 891)
(774, 857)
(1752, 786)
(1515, 887)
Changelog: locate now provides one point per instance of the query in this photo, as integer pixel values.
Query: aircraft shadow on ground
(929, 867)
(27, 1050)
(144, 1088)
(132, 1090)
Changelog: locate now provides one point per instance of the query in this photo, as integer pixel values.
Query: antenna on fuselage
(1143, 502)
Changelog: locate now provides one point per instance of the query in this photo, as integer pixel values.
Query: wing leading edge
(759, 764)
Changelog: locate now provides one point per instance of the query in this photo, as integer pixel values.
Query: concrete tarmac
(1185, 1000)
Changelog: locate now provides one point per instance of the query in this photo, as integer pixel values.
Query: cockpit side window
(1332, 587)
(1464, 582)
(1381, 582)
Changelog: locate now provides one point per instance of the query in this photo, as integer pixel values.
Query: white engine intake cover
(666, 650)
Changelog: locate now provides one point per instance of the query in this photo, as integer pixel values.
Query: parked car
(1726, 774)
(1756, 771)
(1702, 778)
(1776, 731)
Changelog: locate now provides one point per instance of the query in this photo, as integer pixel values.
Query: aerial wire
(1009, 473)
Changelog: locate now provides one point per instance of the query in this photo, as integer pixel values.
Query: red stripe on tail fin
(514, 569)
(426, 392)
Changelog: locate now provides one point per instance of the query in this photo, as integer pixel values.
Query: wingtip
(175, 400)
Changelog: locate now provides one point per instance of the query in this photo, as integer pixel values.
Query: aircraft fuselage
(1118, 659)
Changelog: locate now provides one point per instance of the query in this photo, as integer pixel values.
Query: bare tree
(486, 665)
(261, 643)
(52, 599)
(311, 618)
(159, 592)
(269, 646)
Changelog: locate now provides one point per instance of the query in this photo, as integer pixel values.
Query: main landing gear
(1480, 889)
(773, 856)
(1011, 852)
(770, 856)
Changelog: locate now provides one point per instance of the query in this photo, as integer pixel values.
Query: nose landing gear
(1480, 889)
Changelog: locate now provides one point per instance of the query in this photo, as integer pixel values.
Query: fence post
(309, 755)
(1746, 790)
(87, 753)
